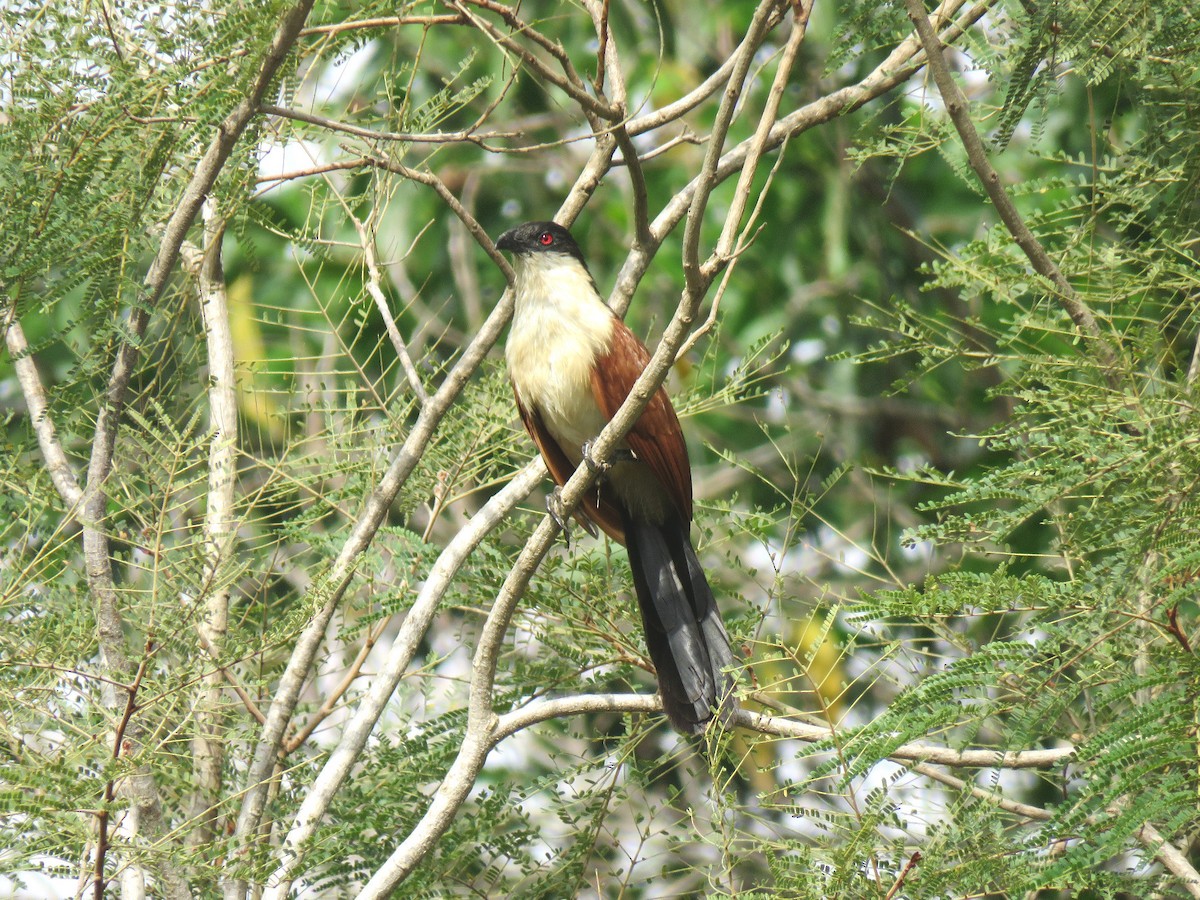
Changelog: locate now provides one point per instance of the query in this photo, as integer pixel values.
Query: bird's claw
(621, 454)
(554, 506)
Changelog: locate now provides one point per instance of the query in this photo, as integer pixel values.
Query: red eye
(545, 239)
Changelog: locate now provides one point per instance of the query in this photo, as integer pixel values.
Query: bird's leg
(621, 454)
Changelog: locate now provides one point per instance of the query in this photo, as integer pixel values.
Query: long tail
(684, 631)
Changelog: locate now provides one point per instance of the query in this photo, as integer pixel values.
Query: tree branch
(62, 473)
(764, 19)
(384, 22)
(570, 83)
(219, 524)
(1174, 861)
(449, 137)
(371, 705)
(893, 71)
(758, 143)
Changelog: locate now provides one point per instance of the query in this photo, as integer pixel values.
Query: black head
(540, 237)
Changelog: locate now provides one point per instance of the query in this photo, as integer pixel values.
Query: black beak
(507, 241)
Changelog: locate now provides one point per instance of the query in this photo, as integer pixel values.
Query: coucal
(572, 363)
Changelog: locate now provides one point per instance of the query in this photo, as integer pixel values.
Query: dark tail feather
(684, 631)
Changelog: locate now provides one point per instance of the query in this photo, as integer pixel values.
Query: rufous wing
(594, 505)
(656, 438)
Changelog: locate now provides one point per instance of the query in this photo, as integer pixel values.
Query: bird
(572, 362)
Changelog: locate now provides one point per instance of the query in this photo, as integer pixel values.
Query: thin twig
(570, 83)
(243, 694)
(110, 787)
(903, 876)
(600, 17)
(959, 111)
(895, 70)
(437, 137)
(322, 169)
(334, 697)
(423, 176)
(760, 25)
(686, 136)
(383, 22)
(610, 62)
(374, 287)
(758, 143)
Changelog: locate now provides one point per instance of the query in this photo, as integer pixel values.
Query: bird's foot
(554, 506)
(621, 454)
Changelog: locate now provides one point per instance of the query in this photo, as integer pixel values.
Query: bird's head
(544, 243)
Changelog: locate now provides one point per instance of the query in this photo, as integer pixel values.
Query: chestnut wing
(656, 438)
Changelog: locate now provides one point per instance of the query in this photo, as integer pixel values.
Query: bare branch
(675, 111)
(438, 137)
(611, 64)
(992, 797)
(110, 787)
(570, 83)
(758, 143)
(898, 67)
(375, 289)
(247, 700)
(334, 697)
(61, 471)
(219, 524)
(372, 704)
(426, 177)
(322, 169)
(543, 710)
(1168, 854)
(765, 17)
(383, 22)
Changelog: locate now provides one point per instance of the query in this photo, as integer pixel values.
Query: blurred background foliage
(931, 512)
